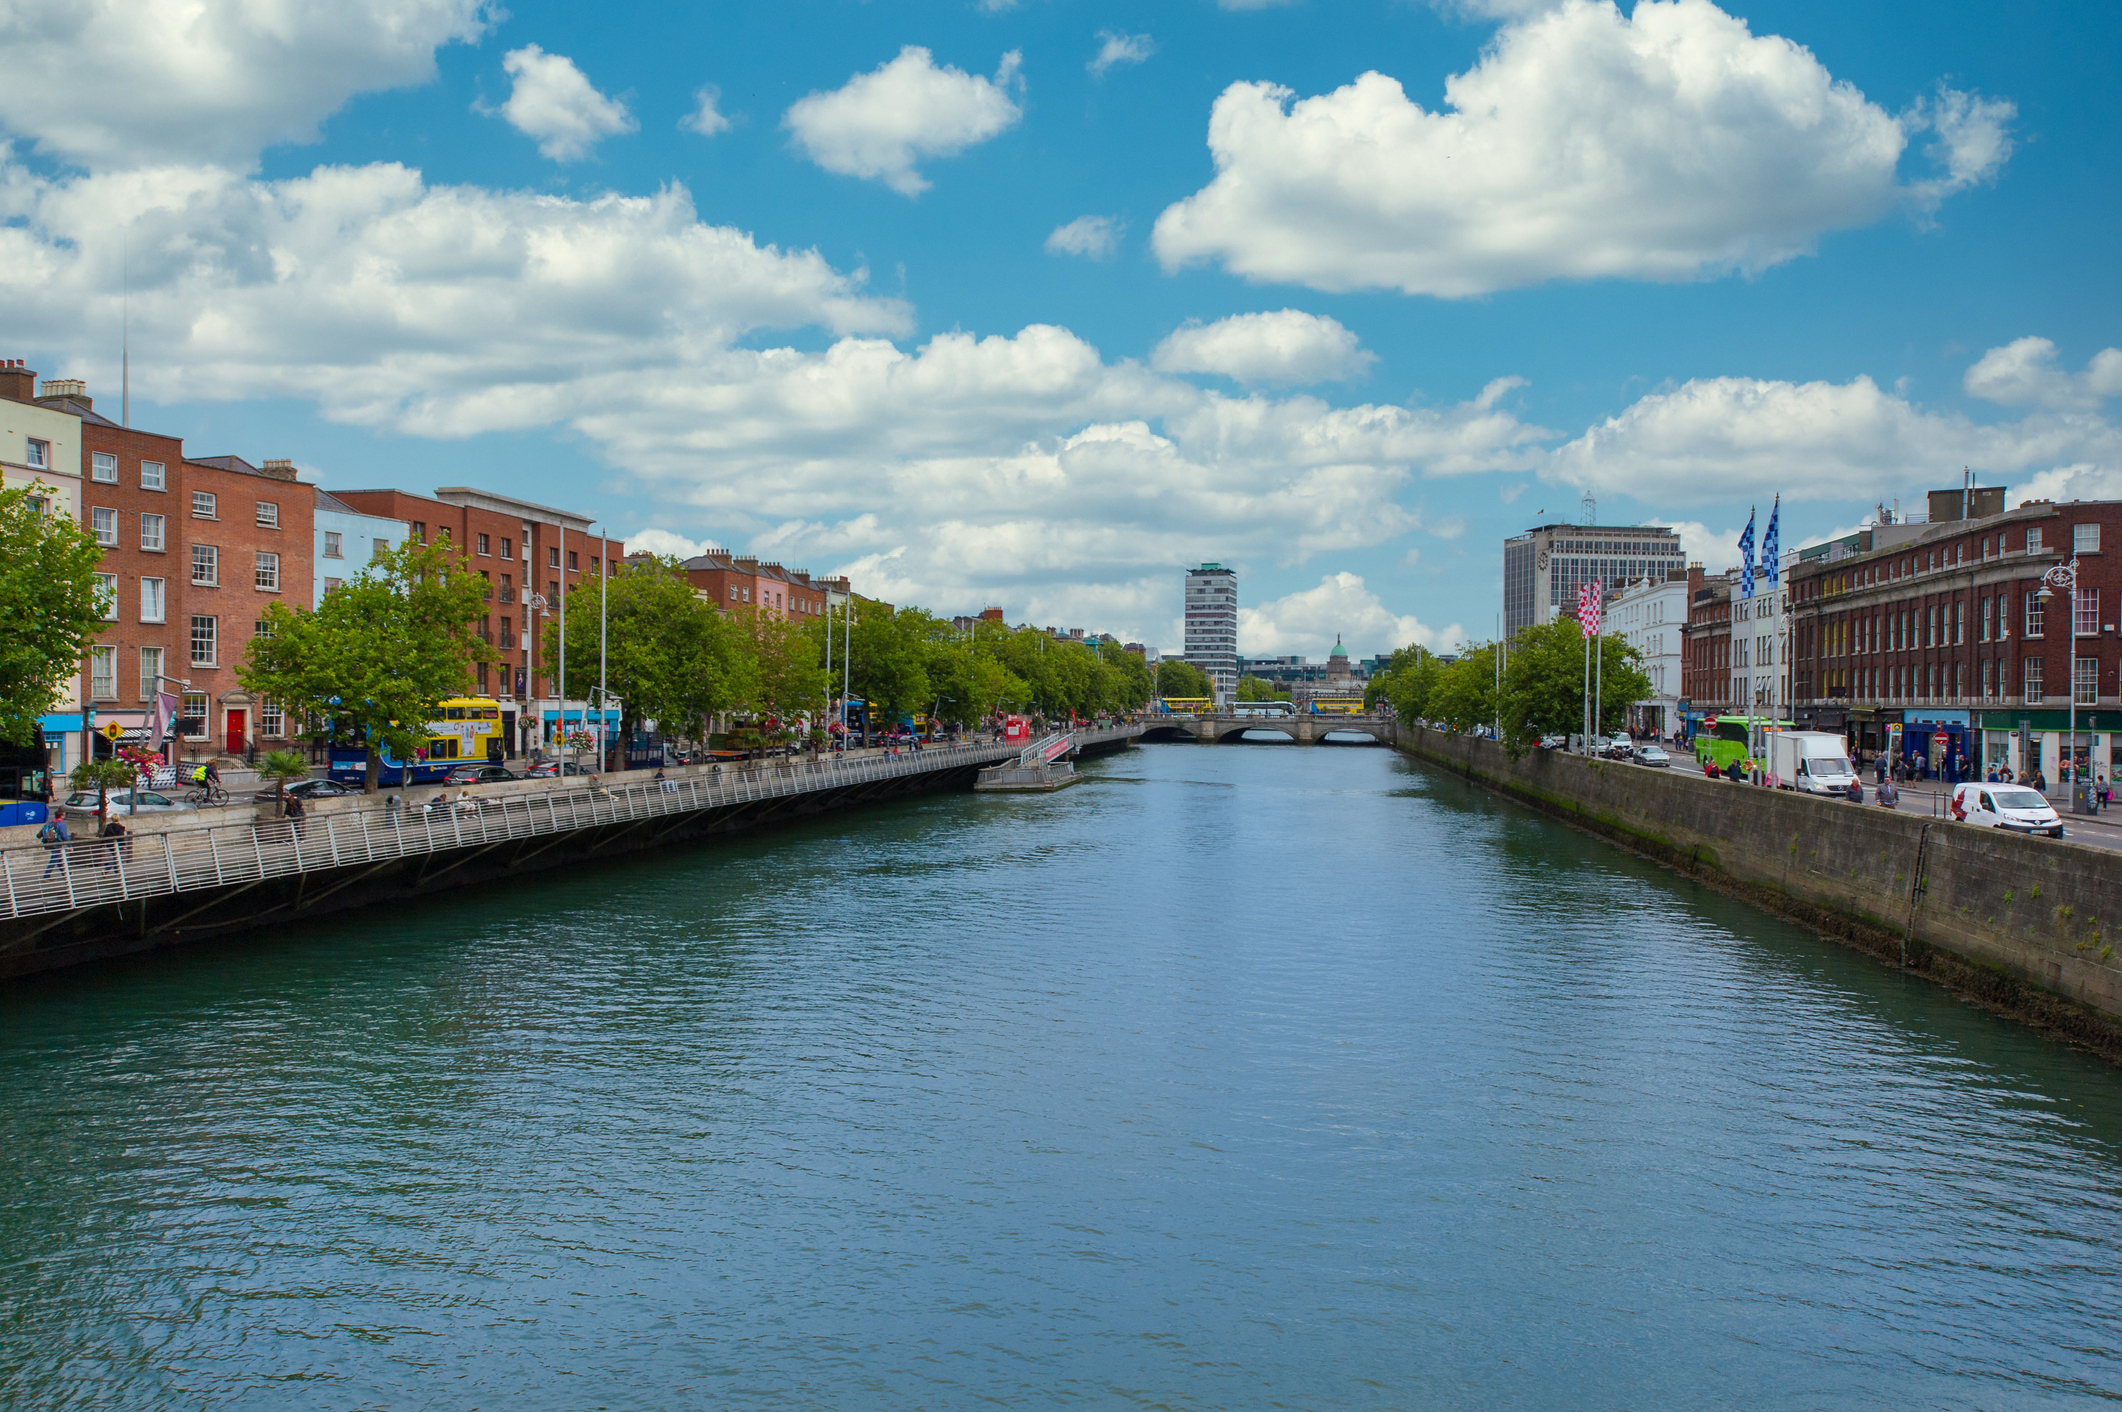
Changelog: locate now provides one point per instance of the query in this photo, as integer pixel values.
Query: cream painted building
(40, 451)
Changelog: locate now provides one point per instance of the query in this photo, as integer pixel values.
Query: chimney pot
(279, 469)
(17, 383)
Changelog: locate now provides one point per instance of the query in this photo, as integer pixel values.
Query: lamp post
(2065, 576)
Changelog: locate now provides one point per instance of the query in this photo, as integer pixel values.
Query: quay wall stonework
(2024, 925)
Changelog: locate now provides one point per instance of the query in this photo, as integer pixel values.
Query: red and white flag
(1588, 606)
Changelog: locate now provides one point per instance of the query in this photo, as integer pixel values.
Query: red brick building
(194, 548)
(529, 554)
(734, 581)
(1705, 666)
(1919, 631)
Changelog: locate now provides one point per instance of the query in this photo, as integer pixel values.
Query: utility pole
(562, 584)
(604, 574)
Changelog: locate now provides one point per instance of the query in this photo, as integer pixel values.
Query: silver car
(1654, 756)
(82, 804)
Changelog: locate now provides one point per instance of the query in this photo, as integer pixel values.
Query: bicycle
(206, 794)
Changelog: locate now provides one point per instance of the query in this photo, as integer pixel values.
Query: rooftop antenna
(1590, 506)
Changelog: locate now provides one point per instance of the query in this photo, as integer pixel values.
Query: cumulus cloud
(2023, 373)
(1711, 439)
(552, 102)
(1115, 48)
(656, 540)
(878, 124)
(136, 83)
(1668, 144)
(1097, 237)
(1282, 349)
(706, 118)
(1305, 623)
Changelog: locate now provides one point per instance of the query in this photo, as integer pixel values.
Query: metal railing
(41, 879)
(1039, 752)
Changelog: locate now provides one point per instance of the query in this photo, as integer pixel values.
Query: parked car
(1653, 756)
(480, 774)
(1618, 747)
(553, 769)
(82, 804)
(2005, 806)
(306, 790)
(1554, 741)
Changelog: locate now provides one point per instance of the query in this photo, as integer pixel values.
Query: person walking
(1856, 790)
(115, 832)
(54, 836)
(1879, 770)
(1889, 794)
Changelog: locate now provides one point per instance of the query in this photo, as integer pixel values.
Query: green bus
(1723, 739)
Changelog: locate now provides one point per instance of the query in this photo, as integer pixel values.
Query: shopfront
(1938, 745)
(2041, 740)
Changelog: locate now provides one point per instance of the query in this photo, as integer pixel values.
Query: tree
(1464, 695)
(786, 678)
(49, 609)
(1184, 679)
(1409, 679)
(669, 655)
(103, 776)
(1543, 683)
(282, 766)
(379, 653)
(890, 661)
(1257, 689)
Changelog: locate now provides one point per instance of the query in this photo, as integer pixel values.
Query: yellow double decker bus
(462, 728)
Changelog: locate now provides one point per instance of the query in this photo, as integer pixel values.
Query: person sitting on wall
(1856, 790)
(1733, 773)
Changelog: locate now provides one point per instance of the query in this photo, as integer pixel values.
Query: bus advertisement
(1720, 740)
(25, 780)
(462, 728)
(1187, 705)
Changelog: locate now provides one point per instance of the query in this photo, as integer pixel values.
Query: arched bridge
(1305, 730)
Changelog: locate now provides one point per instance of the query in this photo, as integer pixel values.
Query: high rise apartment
(1212, 627)
(1543, 568)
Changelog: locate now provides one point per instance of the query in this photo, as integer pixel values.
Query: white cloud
(1715, 550)
(1282, 349)
(1716, 439)
(1116, 48)
(2023, 373)
(878, 124)
(1097, 237)
(706, 118)
(138, 83)
(1306, 622)
(552, 102)
(661, 541)
(1669, 144)
(1974, 139)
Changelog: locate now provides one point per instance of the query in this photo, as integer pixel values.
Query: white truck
(1813, 762)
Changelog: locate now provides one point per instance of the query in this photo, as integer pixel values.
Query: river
(1234, 1077)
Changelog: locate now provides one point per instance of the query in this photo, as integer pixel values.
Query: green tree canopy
(1177, 678)
(380, 652)
(1543, 683)
(1464, 693)
(1409, 678)
(1258, 689)
(49, 610)
(666, 653)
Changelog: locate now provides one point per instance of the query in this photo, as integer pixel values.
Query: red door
(235, 732)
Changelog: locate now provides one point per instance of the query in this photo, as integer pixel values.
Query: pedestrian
(1856, 790)
(1879, 769)
(115, 832)
(1733, 773)
(1889, 794)
(55, 837)
(2103, 792)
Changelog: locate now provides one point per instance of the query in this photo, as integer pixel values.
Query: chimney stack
(17, 383)
(279, 470)
(70, 389)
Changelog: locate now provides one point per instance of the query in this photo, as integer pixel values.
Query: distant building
(347, 541)
(1212, 627)
(1651, 616)
(1544, 567)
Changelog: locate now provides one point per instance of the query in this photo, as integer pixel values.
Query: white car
(82, 804)
(2005, 806)
(1654, 756)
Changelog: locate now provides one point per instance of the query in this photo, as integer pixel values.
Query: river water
(1234, 1077)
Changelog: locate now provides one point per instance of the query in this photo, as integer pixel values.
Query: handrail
(41, 879)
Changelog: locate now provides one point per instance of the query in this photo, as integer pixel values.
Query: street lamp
(2065, 577)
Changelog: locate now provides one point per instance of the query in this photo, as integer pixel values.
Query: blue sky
(1684, 256)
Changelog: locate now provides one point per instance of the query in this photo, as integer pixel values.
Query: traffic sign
(112, 730)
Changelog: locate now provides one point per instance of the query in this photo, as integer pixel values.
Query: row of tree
(1540, 690)
(371, 662)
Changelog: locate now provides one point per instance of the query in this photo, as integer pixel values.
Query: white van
(2005, 806)
(1812, 762)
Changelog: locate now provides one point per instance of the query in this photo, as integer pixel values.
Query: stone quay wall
(2023, 925)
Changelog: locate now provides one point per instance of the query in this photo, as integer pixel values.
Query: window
(195, 712)
(150, 670)
(2086, 621)
(272, 720)
(1959, 621)
(508, 549)
(267, 574)
(1989, 681)
(2031, 667)
(574, 562)
(205, 638)
(1984, 619)
(381, 548)
(206, 564)
(103, 673)
(486, 587)
(419, 532)
(203, 505)
(269, 514)
(151, 600)
(2033, 539)
(2085, 680)
(331, 584)
(151, 475)
(151, 533)
(552, 556)
(2084, 539)
(508, 588)
(104, 467)
(331, 545)
(263, 628)
(40, 454)
(2033, 615)
(107, 596)
(105, 524)
(553, 592)
(481, 542)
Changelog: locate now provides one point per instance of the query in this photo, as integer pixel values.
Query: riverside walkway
(111, 884)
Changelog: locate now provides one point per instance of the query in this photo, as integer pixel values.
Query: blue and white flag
(1746, 558)
(1771, 547)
